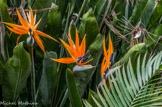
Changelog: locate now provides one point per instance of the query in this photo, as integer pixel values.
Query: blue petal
(79, 58)
(23, 15)
(112, 58)
(106, 71)
(30, 30)
(84, 60)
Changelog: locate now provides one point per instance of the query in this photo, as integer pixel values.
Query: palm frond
(130, 88)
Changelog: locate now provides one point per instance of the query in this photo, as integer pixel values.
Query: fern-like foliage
(128, 88)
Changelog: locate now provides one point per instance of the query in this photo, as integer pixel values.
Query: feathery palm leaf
(129, 89)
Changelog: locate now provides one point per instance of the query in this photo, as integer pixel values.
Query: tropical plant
(28, 73)
(131, 88)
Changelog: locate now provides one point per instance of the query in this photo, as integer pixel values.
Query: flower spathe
(28, 27)
(76, 52)
(108, 57)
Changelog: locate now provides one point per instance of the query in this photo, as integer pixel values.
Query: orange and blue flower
(28, 27)
(76, 52)
(108, 58)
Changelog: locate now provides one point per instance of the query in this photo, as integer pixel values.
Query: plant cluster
(92, 53)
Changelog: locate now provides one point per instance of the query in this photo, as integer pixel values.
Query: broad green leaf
(2, 59)
(79, 3)
(39, 4)
(96, 47)
(155, 16)
(62, 4)
(154, 36)
(137, 49)
(127, 9)
(48, 80)
(119, 8)
(72, 88)
(4, 13)
(54, 22)
(99, 7)
(147, 12)
(137, 11)
(92, 3)
(73, 33)
(1, 72)
(17, 70)
(89, 27)
(62, 86)
(5, 16)
(54, 29)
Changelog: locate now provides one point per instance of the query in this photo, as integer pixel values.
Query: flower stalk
(33, 88)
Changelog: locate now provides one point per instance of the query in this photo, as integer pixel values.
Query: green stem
(58, 80)
(33, 91)
(29, 3)
(81, 10)
(107, 8)
(66, 95)
(64, 34)
(2, 37)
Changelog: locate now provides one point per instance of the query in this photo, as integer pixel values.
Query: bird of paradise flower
(108, 58)
(76, 52)
(28, 27)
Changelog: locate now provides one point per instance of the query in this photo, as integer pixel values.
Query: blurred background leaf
(17, 70)
(39, 4)
(48, 79)
(89, 27)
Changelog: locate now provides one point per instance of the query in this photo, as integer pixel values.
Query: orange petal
(110, 45)
(39, 42)
(64, 60)
(104, 48)
(18, 39)
(25, 16)
(17, 31)
(32, 18)
(35, 27)
(70, 40)
(71, 52)
(15, 26)
(25, 24)
(45, 35)
(110, 50)
(83, 46)
(103, 67)
(77, 42)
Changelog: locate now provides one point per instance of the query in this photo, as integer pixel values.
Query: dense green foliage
(135, 79)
